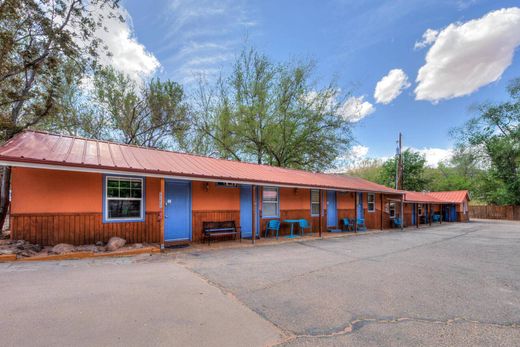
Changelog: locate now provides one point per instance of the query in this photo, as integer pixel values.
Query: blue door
(360, 206)
(414, 206)
(177, 211)
(246, 211)
(453, 213)
(332, 211)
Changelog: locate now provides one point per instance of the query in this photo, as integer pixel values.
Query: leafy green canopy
(117, 108)
(413, 172)
(492, 139)
(271, 113)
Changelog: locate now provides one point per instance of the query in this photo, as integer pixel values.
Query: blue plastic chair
(397, 222)
(273, 225)
(436, 218)
(346, 224)
(361, 224)
(304, 225)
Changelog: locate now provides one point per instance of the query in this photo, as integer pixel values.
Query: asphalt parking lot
(455, 284)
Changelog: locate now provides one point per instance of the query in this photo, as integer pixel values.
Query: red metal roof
(421, 197)
(40, 149)
(455, 196)
(452, 197)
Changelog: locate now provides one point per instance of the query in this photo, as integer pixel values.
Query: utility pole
(399, 163)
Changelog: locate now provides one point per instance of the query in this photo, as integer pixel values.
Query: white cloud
(467, 56)
(359, 151)
(434, 156)
(202, 37)
(390, 86)
(428, 38)
(356, 108)
(128, 55)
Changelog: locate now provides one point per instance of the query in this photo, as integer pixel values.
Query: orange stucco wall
(47, 191)
(345, 200)
(295, 199)
(210, 197)
(55, 191)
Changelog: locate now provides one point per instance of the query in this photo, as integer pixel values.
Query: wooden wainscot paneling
(211, 216)
(49, 229)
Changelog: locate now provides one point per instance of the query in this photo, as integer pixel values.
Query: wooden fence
(508, 212)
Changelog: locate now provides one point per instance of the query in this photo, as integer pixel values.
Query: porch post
(416, 215)
(355, 211)
(430, 214)
(402, 211)
(253, 196)
(161, 208)
(440, 213)
(322, 205)
(381, 210)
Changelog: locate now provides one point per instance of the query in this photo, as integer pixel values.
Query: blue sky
(355, 42)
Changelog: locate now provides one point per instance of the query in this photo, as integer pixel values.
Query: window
(123, 199)
(465, 206)
(270, 202)
(419, 209)
(371, 201)
(392, 210)
(315, 202)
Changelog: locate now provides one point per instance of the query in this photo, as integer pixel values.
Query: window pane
(315, 196)
(270, 194)
(124, 184)
(112, 183)
(371, 198)
(113, 192)
(124, 193)
(136, 193)
(124, 209)
(136, 184)
(270, 209)
(315, 209)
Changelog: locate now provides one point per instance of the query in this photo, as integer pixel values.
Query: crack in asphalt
(357, 324)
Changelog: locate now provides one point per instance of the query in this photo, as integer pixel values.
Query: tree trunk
(4, 194)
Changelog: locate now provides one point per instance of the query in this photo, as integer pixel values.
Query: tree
(117, 108)
(271, 113)
(413, 172)
(369, 169)
(494, 138)
(37, 38)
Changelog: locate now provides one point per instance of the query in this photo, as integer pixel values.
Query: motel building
(73, 190)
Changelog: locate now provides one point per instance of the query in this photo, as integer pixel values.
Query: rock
(35, 248)
(5, 242)
(6, 251)
(100, 243)
(138, 245)
(87, 248)
(115, 243)
(61, 248)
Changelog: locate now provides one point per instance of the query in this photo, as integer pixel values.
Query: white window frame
(315, 203)
(277, 202)
(391, 210)
(107, 199)
(420, 209)
(373, 203)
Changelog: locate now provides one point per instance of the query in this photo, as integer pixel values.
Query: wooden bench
(219, 229)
